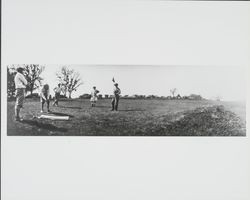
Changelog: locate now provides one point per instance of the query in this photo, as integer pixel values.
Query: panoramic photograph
(125, 100)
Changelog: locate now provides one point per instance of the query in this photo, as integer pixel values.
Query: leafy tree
(10, 82)
(69, 79)
(32, 74)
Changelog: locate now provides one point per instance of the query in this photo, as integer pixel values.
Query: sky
(229, 83)
(126, 32)
(206, 38)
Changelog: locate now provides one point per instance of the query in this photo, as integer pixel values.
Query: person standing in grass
(57, 91)
(20, 84)
(116, 96)
(94, 97)
(45, 97)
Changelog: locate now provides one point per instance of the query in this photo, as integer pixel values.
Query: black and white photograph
(125, 100)
(79, 100)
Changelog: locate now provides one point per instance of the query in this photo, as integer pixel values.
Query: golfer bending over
(115, 99)
(44, 96)
(94, 98)
(20, 84)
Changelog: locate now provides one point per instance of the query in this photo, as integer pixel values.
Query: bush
(63, 96)
(85, 96)
(195, 97)
(34, 95)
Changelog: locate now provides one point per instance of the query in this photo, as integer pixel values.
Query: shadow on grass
(45, 126)
(70, 107)
(101, 106)
(61, 114)
(131, 110)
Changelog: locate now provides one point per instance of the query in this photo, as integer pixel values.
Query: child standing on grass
(57, 91)
(45, 96)
(94, 98)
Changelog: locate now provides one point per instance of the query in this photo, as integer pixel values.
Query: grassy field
(134, 118)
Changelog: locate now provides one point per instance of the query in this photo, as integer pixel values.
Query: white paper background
(121, 32)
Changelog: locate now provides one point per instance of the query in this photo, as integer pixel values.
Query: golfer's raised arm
(48, 93)
(42, 94)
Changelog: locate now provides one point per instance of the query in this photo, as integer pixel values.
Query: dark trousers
(114, 102)
(43, 101)
(57, 96)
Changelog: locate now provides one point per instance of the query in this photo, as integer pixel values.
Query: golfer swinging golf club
(20, 85)
(116, 96)
(94, 97)
(44, 96)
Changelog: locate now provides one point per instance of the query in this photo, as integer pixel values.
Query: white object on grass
(54, 117)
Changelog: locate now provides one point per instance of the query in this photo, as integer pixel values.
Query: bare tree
(69, 79)
(32, 74)
(218, 98)
(173, 91)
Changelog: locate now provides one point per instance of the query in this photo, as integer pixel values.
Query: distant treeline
(88, 96)
(106, 96)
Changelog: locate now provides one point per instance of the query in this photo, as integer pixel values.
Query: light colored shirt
(20, 81)
(57, 89)
(117, 91)
(94, 93)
